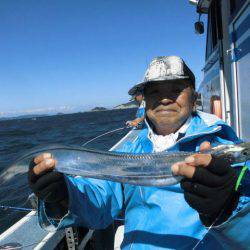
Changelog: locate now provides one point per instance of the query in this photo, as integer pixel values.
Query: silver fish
(152, 169)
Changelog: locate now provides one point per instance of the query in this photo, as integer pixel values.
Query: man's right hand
(133, 123)
(47, 185)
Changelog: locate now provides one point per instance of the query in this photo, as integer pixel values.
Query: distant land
(23, 117)
(99, 109)
(127, 105)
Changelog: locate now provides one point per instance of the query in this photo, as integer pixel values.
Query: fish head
(237, 153)
(245, 153)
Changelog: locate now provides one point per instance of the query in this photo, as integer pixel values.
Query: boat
(224, 90)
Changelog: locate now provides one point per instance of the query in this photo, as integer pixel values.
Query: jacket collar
(201, 124)
(198, 123)
(162, 143)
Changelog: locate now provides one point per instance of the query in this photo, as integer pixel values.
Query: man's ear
(195, 96)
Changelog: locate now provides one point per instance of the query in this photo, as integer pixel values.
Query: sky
(75, 55)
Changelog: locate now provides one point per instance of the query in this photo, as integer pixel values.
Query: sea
(20, 135)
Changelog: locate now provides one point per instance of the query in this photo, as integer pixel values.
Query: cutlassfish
(151, 169)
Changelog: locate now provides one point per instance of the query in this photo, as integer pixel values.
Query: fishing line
(11, 209)
(217, 218)
(21, 209)
(106, 133)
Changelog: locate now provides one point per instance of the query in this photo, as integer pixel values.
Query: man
(171, 217)
(137, 95)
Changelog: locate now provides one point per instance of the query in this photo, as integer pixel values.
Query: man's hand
(47, 185)
(133, 123)
(208, 186)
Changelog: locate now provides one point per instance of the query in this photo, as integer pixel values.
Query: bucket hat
(165, 68)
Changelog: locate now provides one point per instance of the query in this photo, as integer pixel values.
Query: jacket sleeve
(236, 228)
(92, 203)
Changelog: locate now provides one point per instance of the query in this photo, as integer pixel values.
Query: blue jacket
(141, 110)
(140, 113)
(156, 217)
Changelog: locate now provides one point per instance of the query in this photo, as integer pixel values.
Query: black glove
(211, 191)
(49, 187)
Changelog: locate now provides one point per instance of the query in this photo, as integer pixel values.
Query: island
(99, 109)
(127, 105)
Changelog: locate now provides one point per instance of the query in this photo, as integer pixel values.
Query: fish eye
(245, 152)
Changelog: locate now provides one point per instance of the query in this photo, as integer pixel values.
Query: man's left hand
(208, 186)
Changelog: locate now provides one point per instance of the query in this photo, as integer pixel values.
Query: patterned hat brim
(140, 86)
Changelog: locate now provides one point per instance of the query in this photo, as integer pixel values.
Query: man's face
(168, 105)
(139, 98)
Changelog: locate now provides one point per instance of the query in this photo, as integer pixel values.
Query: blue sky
(58, 53)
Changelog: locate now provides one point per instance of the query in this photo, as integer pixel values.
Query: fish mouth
(246, 149)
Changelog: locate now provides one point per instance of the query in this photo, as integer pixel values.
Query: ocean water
(19, 135)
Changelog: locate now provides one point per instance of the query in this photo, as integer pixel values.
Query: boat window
(209, 47)
(232, 6)
(214, 32)
(235, 6)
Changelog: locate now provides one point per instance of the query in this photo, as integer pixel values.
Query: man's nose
(166, 100)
